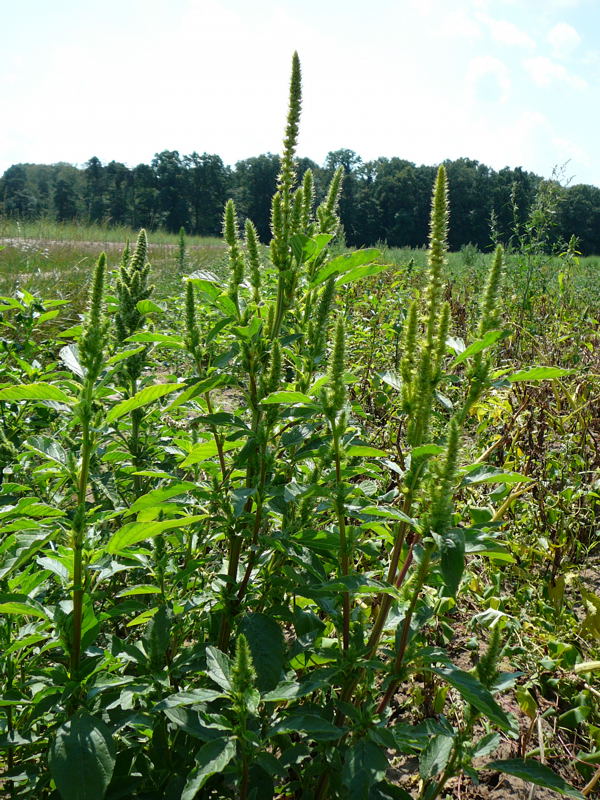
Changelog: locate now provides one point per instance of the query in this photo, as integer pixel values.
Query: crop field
(294, 520)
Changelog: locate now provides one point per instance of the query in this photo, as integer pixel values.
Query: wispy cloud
(545, 72)
(505, 32)
(488, 79)
(563, 38)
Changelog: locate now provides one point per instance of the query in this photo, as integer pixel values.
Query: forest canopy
(385, 200)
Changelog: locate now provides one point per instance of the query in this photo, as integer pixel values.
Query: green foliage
(246, 541)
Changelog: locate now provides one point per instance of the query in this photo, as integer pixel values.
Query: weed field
(296, 521)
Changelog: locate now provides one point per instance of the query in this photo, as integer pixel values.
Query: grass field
(127, 519)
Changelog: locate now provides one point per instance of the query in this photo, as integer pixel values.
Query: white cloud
(505, 32)
(571, 150)
(563, 39)
(488, 79)
(545, 72)
(459, 25)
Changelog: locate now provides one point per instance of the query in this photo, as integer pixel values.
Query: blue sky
(507, 82)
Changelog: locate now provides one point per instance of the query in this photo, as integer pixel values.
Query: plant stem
(419, 582)
(78, 532)
(344, 554)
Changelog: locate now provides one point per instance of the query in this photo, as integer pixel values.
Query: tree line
(383, 200)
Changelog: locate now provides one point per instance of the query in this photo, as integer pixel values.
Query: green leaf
(387, 512)
(490, 338)
(392, 379)
(164, 339)
(475, 693)
(191, 698)
(148, 307)
(135, 532)
(313, 725)
(530, 770)
(158, 496)
(142, 398)
(200, 387)
(539, 374)
(485, 474)
(47, 447)
(35, 391)
(267, 646)
(361, 272)
(434, 758)
(426, 450)
(452, 558)
(69, 355)
(82, 758)
(364, 766)
(204, 450)
(361, 450)
(121, 356)
(22, 608)
(211, 759)
(345, 263)
(218, 667)
(286, 398)
(157, 637)
(486, 745)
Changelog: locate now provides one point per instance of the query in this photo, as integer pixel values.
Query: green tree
(254, 182)
(207, 182)
(171, 181)
(145, 208)
(580, 215)
(94, 191)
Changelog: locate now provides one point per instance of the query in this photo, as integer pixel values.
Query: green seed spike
(437, 250)
(274, 376)
(322, 316)
(337, 387)
(278, 246)
(253, 258)
(132, 286)
(297, 210)
(327, 211)
(442, 335)
(139, 256)
(441, 508)
(488, 319)
(487, 667)
(308, 198)
(191, 326)
(236, 261)
(243, 674)
(93, 339)
(287, 174)
(407, 364)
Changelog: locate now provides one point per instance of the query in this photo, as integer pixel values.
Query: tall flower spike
(93, 338)
(243, 674)
(441, 507)
(407, 364)
(191, 326)
(308, 198)
(236, 261)
(327, 211)
(287, 173)
(297, 210)
(438, 233)
(442, 335)
(132, 286)
(337, 387)
(488, 319)
(253, 258)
